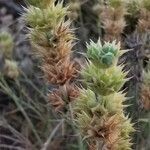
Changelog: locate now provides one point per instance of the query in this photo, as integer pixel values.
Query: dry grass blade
(10, 138)
(47, 143)
(14, 97)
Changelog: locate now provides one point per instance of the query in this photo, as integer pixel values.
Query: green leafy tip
(104, 56)
(45, 19)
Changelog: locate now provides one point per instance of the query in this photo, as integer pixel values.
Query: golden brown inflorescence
(53, 40)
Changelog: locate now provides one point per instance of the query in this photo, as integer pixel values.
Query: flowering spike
(52, 39)
(99, 109)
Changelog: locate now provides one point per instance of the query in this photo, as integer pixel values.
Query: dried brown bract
(64, 71)
(59, 98)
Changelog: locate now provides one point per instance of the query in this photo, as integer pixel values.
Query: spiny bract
(104, 81)
(45, 19)
(103, 56)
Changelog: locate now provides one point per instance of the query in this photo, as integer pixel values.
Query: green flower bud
(110, 47)
(94, 50)
(103, 56)
(108, 59)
